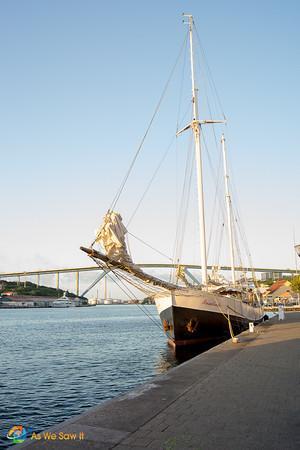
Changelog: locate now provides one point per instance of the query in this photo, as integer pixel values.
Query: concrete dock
(234, 396)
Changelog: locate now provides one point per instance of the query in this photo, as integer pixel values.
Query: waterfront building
(280, 291)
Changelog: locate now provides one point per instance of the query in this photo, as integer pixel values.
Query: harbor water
(56, 363)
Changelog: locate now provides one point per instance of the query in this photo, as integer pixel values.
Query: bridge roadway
(78, 270)
(243, 396)
(28, 273)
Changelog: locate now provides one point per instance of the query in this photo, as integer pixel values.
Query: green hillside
(31, 289)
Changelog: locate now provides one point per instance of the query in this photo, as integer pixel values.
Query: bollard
(251, 327)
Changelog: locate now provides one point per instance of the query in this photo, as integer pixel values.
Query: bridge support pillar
(77, 284)
(57, 281)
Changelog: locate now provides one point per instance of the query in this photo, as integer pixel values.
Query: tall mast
(195, 126)
(229, 209)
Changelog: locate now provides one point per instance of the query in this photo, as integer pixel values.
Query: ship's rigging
(112, 235)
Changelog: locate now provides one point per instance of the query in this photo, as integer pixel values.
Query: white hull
(63, 304)
(192, 316)
(207, 301)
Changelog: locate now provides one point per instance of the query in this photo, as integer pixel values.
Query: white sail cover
(297, 248)
(111, 236)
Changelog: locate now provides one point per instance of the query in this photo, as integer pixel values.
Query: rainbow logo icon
(17, 434)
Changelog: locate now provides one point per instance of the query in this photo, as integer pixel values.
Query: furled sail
(297, 248)
(111, 236)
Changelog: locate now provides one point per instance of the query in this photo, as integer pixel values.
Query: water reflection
(170, 357)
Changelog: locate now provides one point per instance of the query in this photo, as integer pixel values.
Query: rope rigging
(216, 177)
(121, 188)
(165, 154)
(216, 225)
(150, 246)
(128, 292)
(183, 208)
(237, 222)
(210, 77)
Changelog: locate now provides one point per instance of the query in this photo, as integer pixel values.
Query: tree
(295, 283)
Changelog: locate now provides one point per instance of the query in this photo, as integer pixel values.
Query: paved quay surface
(234, 396)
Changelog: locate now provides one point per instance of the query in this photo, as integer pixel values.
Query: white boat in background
(107, 301)
(64, 302)
(93, 301)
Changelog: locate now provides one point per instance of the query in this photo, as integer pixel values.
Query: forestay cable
(119, 192)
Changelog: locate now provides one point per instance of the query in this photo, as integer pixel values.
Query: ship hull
(194, 318)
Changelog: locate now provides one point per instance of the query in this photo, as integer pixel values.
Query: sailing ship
(189, 313)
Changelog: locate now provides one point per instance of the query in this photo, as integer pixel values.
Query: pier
(234, 396)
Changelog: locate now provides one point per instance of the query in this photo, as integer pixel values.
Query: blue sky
(79, 82)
